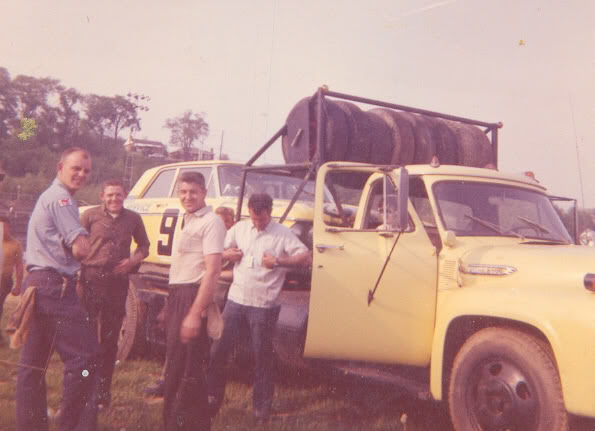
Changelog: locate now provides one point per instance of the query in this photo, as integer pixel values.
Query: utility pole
(221, 144)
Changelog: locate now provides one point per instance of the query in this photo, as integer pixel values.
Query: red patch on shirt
(64, 202)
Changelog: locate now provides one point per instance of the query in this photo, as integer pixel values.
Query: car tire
(506, 379)
(132, 334)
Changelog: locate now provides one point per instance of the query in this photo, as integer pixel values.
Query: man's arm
(19, 271)
(142, 249)
(300, 259)
(80, 247)
(192, 322)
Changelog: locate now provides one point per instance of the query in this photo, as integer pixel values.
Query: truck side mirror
(403, 199)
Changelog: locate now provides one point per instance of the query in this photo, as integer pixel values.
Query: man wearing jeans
(262, 250)
(56, 242)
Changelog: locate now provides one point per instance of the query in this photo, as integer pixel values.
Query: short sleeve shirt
(53, 227)
(202, 234)
(254, 284)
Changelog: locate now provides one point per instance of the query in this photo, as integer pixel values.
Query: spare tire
(357, 124)
(424, 146)
(402, 140)
(304, 116)
(446, 142)
(473, 146)
(379, 139)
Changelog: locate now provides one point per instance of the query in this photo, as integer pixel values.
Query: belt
(69, 277)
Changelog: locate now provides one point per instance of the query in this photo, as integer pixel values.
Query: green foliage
(186, 129)
(29, 129)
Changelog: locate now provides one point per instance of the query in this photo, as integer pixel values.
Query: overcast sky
(529, 64)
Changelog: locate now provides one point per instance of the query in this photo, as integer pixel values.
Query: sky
(244, 64)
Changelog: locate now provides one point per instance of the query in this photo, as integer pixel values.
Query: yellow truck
(457, 283)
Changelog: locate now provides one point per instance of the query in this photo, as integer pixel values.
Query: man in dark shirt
(104, 277)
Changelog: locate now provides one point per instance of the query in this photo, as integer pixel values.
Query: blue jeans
(261, 323)
(60, 323)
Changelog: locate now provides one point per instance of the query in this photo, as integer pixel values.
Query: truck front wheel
(132, 334)
(505, 379)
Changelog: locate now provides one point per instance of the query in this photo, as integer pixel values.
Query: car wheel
(505, 379)
(132, 334)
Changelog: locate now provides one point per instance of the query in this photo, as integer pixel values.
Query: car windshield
(486, 209)
(277, 186)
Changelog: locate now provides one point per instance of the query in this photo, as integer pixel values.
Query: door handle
(323, 247)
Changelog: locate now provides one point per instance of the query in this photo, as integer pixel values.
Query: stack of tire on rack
(383, 136)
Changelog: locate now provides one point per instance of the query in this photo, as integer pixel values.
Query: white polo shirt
(203, 234)
(254, 284)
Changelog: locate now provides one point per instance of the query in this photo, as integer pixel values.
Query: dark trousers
(60, 323)
(104, 297)
(5, 288)
(185, 400)
(261, 323)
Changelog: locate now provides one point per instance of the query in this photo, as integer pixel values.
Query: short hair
(193, 177)
(114, 182)
(260, 202)
(225, 211)
(70, 150)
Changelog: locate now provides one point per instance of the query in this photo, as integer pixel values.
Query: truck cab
(481, 292)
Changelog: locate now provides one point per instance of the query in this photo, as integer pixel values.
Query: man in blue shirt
(56, 242)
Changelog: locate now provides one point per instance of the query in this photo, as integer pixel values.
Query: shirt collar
(198, 213)
(59, 183)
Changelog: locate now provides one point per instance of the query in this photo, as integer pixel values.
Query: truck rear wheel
(505, 379)
(132, 334)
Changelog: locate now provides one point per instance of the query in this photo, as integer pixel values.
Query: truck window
(422, 206)
(375, 216)
(207, 172)
(161, 186)
(487, 209)
(346, 190)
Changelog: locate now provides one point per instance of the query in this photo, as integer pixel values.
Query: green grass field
(303, 400)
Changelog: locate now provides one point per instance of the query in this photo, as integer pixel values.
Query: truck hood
(528, 265)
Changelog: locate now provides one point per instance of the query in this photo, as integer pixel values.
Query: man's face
(74, 171)
(192, 196)
(260, 220)
(113, 198)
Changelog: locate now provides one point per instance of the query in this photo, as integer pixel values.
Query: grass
(303, 400)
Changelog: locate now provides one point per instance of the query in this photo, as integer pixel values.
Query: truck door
(352, 240)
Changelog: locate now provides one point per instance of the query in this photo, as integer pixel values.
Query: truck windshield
(277, 186)
(485, 209)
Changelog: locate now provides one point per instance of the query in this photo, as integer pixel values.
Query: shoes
(157, 389)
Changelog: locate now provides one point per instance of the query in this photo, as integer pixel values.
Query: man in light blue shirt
(56, 242)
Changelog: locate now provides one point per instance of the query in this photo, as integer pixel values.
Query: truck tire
(425, 147)
(401, 136)
(473, 146)
(357, 124)
(506, 379)
(132, 335)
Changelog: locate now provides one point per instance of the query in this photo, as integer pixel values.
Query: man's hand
(16, 290)
(233, 254)
(190, 327)
(125, 266)
(268, 260)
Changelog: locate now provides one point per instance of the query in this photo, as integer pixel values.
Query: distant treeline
(40, 117)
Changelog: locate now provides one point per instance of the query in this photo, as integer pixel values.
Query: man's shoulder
(55, 195)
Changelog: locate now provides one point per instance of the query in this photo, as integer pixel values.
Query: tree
(110, 114)
(187, 129)
(68, 118)
(8, 102)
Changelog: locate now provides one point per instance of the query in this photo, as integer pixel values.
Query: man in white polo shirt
(262, 251)
(195, 268)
